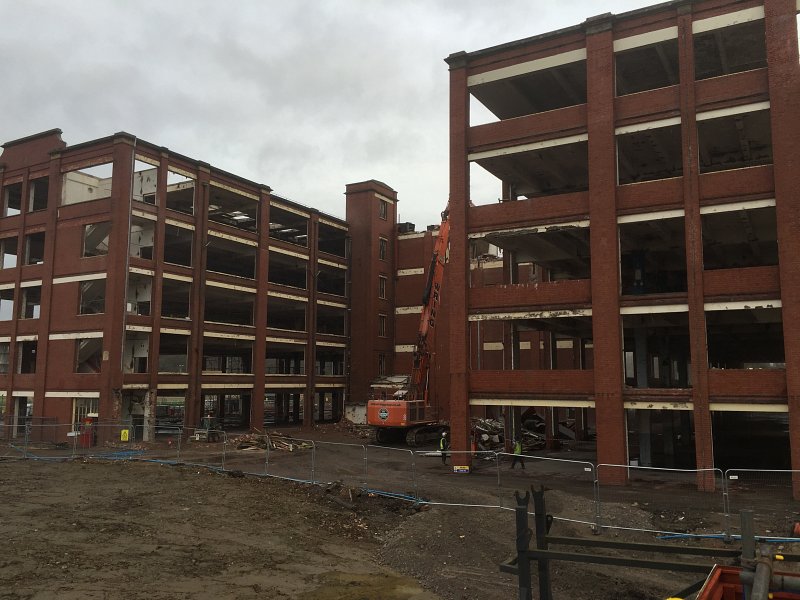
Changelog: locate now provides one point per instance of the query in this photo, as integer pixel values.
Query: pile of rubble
(347, 426)
(490, 435)
(253, 441)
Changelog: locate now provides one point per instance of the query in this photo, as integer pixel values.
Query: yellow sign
(460, 468)
(123, 435)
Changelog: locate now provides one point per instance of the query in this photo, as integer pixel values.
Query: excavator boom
(410, 408)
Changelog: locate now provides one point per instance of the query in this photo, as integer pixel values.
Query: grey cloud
(303, 95)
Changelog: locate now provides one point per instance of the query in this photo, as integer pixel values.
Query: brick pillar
(457, 276)
(704, 446)
(606, 324)
(194, 394)
(310, 395)
(48, 289)
(784, 84)
(156, 291)
(118, 255)
(262, 285)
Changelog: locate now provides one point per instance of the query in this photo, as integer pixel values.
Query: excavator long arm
(431, 298)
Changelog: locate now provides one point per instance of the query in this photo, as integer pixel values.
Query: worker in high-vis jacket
(518, 454)
(444, 444)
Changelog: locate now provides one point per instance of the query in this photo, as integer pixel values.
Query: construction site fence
(421, 476)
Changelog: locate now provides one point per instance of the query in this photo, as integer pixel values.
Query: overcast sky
(304, 96)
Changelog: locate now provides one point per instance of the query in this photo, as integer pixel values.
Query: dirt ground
(94, 529)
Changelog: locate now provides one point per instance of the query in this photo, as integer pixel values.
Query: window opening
(178, 245)
(8, 253)
(85, 185)
(382, 320)
(175, 296)
(135, 352)
(95, 239)
(26, 356)
(381, 286)
(731, 49)
(6, 305)
(89, 355)
(180, 193)
(92, 297)
(31, 302)
(39, 190)
(12, 199)
(145, 180)
(34, 248)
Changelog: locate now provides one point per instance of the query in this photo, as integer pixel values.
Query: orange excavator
(409, 413)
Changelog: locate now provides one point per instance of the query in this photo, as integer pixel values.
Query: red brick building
(137, 284)
(648, 216)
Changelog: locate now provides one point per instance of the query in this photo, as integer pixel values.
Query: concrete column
(551, 428)
(784, 84)
(641, 357)
(606, 323)
(645, 453)
(149, 433)
(643, 421)
(457, 275)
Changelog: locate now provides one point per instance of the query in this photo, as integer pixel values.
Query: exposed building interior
(736, 236)
(647, 67)
(533, 92)
(732, 49)
(288, 226)
(225, 355)
(550, 340)
(557, 167)
(661, 438)
(647, 154)
(734, 141)
(656, 349)
(652, 256)
(231, 208)
(548, 253)
(745, 338)
(225, 305)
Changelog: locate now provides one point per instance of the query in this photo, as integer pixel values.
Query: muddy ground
(95, 529)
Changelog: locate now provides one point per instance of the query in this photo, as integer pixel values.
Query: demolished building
(645, 169)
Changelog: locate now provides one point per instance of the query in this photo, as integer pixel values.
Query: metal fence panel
(572, 476)
(768, 493)
(159, 442)
(12, 440)
(391, 470)
(247, 453)
(435, 481)
(290, 458)
(205, 447)
(342, 462)
(53, 440)
(671, 495)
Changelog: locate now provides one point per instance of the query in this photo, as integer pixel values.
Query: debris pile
(347, 426)
(249, 441)
(253, 441)
(490, 435)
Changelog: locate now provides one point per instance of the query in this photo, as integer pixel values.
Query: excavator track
(424, 434)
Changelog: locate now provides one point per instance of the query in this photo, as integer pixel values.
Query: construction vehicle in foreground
(408, 413)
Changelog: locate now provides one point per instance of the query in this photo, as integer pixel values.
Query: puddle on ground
(368, 586)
